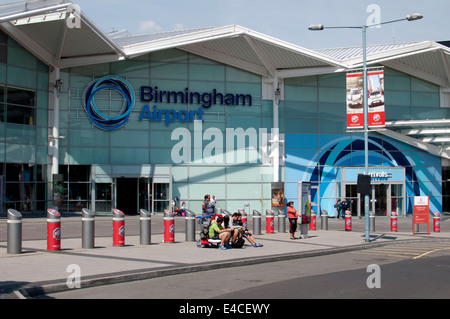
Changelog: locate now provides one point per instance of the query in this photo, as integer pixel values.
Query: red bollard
(270, 216)
(118, 227)
(53, 229)
(437, 222)
(394, 221)
(312, 224)
(169, 226)
(348, 220)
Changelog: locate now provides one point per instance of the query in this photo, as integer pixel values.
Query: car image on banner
(375, 99)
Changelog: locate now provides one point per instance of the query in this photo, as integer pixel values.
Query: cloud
(149, 27)
(178, 26)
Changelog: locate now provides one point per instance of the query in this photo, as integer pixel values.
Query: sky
(287, 20)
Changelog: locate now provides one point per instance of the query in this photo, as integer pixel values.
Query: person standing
(344, 207)
(293, 216)
(338, 208)
(208, 207)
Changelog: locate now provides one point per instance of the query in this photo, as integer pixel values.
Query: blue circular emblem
(99, 119)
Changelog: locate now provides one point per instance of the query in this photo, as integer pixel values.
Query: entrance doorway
(378, 200)
(383, 198)
(127, 195)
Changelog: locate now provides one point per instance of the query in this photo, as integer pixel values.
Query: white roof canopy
(42, 27)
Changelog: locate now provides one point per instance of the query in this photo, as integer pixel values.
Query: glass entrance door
(380, 194)
(353, 199)
(378, 200)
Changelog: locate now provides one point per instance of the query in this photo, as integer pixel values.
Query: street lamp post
(319, 27)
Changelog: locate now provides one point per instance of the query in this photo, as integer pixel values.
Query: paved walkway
(38, 271)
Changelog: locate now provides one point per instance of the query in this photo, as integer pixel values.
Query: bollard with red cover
(312, 224)
(53, 229)
(169, 227)
(118, 227)
(270, 216)
(437, 222)
(393, 221)
(348, 220)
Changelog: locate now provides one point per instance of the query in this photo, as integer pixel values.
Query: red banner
(421, 211)
(375, 99)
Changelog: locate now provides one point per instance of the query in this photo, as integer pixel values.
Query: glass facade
(142, 143)
(23, 128)
(318, 146)
(213, 145)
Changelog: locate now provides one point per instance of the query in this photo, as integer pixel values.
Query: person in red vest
(293, 216)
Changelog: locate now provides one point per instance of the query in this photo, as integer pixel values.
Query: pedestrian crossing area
(412, 250)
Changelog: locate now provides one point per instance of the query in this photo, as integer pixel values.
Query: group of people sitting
(231, 232)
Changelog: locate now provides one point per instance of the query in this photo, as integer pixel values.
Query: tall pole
(366, 133)
(318, 27)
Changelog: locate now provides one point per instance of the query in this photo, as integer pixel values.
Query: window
(20, 106)
(2, 103)
(3, 48)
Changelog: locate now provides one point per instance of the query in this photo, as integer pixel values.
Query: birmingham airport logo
(99, 119)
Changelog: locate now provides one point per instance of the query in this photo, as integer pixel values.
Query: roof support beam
(30, 44)
(408, 69)
(445, 59)
(261, 56)
(89, 60)
(226, 59)
(292, 73)
(432, 149)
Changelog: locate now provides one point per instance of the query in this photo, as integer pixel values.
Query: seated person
(216, 231)
(238, 224)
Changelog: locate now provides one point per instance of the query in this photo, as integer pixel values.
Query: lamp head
(414, 16)
(316, 27)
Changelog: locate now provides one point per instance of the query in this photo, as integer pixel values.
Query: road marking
(429, 252)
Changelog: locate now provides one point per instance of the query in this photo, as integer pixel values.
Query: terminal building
(113, 120)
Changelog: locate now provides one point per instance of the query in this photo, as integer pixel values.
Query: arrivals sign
(375, 99)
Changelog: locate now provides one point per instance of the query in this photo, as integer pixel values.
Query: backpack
(238, 243)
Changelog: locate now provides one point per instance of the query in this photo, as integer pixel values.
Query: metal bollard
(281, 221)
(226, 213)
(118, 227)
(53, 229)
(256, 222)
(14, 231)
(324, 218)
(269, 221)
(145, 222)
(190, 225)
(371, 221)
(88, 228)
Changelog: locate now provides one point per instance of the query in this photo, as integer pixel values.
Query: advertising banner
(375, 101)
(304, 202)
